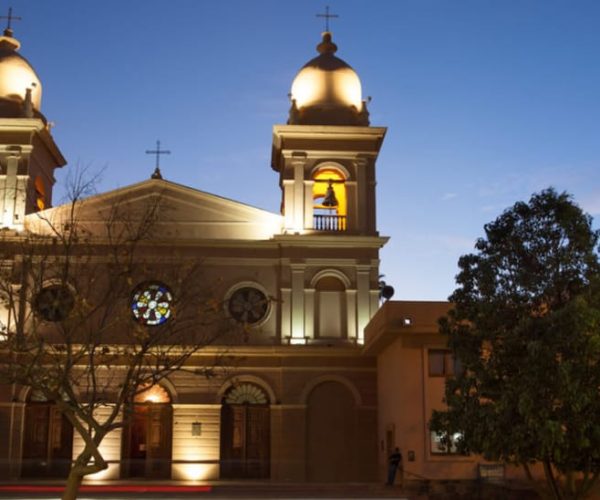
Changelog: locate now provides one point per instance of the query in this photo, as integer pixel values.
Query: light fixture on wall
(196, 428)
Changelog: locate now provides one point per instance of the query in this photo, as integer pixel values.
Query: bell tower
(326, 153)
(28, 153)
(325, 156)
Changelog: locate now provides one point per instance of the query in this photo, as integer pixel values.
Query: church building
(328, 383)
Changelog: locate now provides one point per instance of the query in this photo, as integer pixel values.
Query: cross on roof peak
(157, 152)
(327, 17)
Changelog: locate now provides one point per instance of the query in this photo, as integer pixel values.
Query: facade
(302, 403)
(325, 384)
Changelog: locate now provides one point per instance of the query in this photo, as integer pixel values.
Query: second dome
(327, 91)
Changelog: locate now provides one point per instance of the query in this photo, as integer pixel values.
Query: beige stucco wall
(400, 336)
(407, 397)
(196, 457)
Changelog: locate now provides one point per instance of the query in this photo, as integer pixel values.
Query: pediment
(176, 211)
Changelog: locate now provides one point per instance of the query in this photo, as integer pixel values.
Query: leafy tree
(66, 291)
(526, 328)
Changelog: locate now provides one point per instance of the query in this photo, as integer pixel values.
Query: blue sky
(486, 102)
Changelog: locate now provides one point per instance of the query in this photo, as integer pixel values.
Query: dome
(16, 77)
(327, 91)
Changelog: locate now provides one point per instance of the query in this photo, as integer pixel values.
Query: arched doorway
(331, 433)
(47, 440)
(147, 435)
(245, 433)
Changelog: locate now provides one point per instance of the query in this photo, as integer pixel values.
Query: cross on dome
(8, 31)
(327, 17)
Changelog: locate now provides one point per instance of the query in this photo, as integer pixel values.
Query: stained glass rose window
(151, 303)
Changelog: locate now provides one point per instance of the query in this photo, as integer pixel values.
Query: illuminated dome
(327, 91)
(17, 80)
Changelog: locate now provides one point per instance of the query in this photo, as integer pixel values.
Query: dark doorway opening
(147, 437)
(331, 435)
(47, 443)
(245, 434)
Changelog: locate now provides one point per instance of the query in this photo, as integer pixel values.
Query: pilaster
(363, 299)
(298, 335)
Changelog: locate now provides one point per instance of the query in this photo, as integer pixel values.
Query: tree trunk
(541, 489)
(551, 480)
(72, 487)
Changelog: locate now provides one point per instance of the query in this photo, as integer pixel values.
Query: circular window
(248, 305)
(54, 302)
(151, 303)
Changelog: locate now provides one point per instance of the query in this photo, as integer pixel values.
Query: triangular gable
(183, 213)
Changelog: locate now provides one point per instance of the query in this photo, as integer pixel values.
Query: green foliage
(526, 328)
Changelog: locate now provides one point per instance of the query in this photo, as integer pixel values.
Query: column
(363, 301)
(309, 313)
(286, 313)
(288, 204)
(308, 204)
(10, 192)
(351, 314)
(362, 208)
(297, 304)
(298, 195)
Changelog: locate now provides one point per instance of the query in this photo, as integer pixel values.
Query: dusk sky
(485, 102)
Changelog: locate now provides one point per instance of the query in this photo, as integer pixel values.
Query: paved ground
(221, 489)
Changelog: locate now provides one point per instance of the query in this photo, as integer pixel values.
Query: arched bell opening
(147, 435)
(330, 204)
(47, 439)
(245, 433)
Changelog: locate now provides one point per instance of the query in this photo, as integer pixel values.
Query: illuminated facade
(302, 405)
(328, 384)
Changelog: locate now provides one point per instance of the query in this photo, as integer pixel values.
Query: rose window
(54, 302)
(248, 305)
(151, 304)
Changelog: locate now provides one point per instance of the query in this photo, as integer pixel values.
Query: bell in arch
(330, 200)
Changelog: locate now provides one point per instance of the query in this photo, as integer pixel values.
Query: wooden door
(60, 446)
(147, 442)
(245, 441)
(136, 453)
(331, 437)
(159, 440)
(48, 442)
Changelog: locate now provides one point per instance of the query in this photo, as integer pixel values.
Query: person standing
(395, 463)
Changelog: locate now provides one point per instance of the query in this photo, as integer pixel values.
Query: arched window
(330, 203)
(330, 317)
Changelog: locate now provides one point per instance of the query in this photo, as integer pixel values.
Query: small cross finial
(327, 17)
(10, 18)
(157, 152)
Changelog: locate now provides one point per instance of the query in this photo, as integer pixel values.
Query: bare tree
(98, 313)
